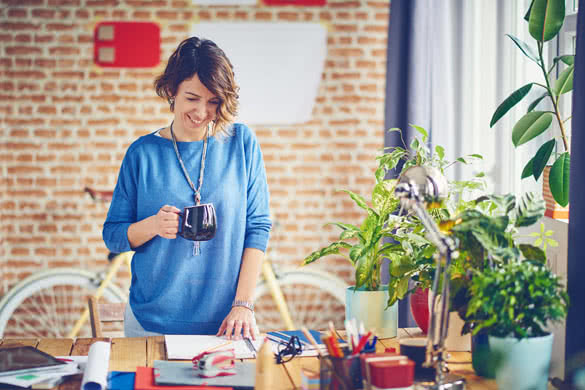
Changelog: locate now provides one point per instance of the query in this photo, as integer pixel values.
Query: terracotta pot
(419, 306)
(553, 209)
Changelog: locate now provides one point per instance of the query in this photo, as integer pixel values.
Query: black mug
(199, 222)
(416, 350)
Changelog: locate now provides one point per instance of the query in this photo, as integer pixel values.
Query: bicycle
(53, 303)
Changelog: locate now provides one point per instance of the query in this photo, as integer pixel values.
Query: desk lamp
(417, 187)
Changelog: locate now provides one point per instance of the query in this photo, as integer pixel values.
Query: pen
(311, 339)
(362, 343)
(250, 345)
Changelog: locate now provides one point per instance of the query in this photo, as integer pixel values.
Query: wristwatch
(248, 305)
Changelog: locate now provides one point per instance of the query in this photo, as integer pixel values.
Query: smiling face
(195, 106)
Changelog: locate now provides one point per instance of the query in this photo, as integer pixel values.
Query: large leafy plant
(519, 300)
(486, 238)
(365, 245)
(545, 19)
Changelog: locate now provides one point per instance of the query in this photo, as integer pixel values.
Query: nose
(202, 111)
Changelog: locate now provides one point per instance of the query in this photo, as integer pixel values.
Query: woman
(181, 286)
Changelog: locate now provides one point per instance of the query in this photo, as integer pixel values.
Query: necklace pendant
(196, 248)
(197, 199)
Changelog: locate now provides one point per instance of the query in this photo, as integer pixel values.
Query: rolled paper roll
(95, 376)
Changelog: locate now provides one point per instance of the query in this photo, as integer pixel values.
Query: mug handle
(180, 231)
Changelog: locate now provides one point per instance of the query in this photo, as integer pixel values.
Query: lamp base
(449, 382)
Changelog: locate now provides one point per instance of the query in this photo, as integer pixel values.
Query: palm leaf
(529, 210)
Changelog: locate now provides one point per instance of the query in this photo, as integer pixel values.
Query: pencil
(219, 346)
(311, 339)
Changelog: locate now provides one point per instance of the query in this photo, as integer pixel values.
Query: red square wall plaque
(127, 44)
(295, 2)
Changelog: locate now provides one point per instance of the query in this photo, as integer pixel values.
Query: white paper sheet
(31, 378)
(185, 347)
(95, 376)
(278, 66)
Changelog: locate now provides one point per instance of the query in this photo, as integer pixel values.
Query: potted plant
(486, 236)
(365, 245)
(545, 19)
(514, 304)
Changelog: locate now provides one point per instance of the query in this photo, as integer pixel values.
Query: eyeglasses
(287, 351)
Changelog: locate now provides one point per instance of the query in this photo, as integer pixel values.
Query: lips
(195, 122)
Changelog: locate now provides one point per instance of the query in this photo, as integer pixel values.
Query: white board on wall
(278, 67)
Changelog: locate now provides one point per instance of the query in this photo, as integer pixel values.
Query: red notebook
(145, 381)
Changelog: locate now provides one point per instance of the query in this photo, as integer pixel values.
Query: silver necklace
(197, 192)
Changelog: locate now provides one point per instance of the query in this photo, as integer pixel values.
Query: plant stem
(554, 101)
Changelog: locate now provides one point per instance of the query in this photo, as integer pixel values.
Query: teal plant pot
(521, 364)
(482, 362)
(370, 308)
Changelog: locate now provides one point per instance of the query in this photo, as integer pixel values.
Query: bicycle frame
(276, 292)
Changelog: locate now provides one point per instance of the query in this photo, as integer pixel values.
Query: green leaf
(541, 158)
(546, 19)
(344, 226)
(532, 252)
(559, 179)
(357, 252)
(510, 102)
(527, 15)
(527, 171)
(568, 59)
(530, 125)
(383, 198)
(402, 287)
(422, 131)
(332, 249)
(358, 199)
(527, 50)
(361, 271)
(440, 151)
(380, 174)
(533, 105)
(564, 83)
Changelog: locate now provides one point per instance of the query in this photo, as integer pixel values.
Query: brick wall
(65, 124)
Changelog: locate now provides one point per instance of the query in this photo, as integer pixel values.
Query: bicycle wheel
(47, 303)
(314, 298)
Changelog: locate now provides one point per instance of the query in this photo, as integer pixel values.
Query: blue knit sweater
(172, 291)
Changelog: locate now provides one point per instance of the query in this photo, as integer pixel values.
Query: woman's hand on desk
(239, 322)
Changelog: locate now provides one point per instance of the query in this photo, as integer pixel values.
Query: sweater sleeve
(122, 212)
(258, 221)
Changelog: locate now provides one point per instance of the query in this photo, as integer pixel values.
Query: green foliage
(543, 238)
(519, 299)
(545, 19)
(486, 237)
(410, 252)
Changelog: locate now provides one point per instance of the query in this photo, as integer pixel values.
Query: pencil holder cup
(340, 373)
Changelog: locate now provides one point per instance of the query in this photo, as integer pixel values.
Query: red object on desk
(387, 370)
(145, 381)
(419, 306)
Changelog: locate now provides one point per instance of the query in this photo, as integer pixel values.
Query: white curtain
(463, 67)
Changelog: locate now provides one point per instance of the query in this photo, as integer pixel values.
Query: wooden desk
(129, 353)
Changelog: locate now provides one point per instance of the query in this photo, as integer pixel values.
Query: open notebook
(185, 347)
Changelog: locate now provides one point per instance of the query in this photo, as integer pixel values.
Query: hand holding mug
(166, 222)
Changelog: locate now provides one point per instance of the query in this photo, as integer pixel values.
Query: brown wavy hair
(204, 58)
